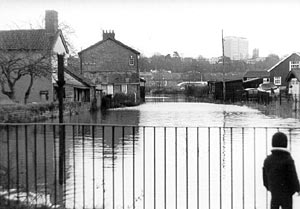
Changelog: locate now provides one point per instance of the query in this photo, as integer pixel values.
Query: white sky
(190, 27)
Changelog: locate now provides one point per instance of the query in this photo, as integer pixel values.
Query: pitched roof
(29, 39)
(114, 40)
(295, 73)
(281, 61)
(71, 71)
(257, 74)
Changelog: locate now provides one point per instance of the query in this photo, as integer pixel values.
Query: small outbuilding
(233, 89)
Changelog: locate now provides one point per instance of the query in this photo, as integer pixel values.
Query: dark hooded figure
(279, 174)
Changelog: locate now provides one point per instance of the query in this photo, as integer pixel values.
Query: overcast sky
(190, 27)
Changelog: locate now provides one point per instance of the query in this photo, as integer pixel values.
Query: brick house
(48, 42)
(280, 71)
(112, 66)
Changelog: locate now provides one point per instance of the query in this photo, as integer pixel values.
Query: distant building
(255, 53)
(236, 48)
(255, 60)
(112, 66)
(214, 60)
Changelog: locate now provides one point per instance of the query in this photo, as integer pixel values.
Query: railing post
(61, 83)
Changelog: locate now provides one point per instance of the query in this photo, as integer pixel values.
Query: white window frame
(277, 80)
(124, 88)
(131, 60)
(294, 65)
(110, 89)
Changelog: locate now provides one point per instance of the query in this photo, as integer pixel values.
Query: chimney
(51, 21)
(108, 34)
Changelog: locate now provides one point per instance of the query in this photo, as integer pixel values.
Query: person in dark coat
(279, 174)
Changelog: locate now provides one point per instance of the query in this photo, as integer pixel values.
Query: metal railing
(111, 166)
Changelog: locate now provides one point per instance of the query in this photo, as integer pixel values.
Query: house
(112, 66)
(77, 88)
(26, 48)
(255, 74)
(253, 78)
(280, 71)
(293, 79)
(38, 48)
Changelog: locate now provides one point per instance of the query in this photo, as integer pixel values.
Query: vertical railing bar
(123, 167)
(266, 155)
(231, 165)
(55, 166)
(187, 169)
(176, 186)
(103, 167)
(17, 163)
(290, 135)
(165, 168)
(254, 154)
(133, 162)
(144, 168)
(154, 166)
(243, 168)
(35, 162)
(113, 165)
(45, 162)
(26, 164)
(208, 167)
(93, 144)
(74, 168)
(83, 167)
(198, 168)
(220, 166)
(64, 166)
(8, 164)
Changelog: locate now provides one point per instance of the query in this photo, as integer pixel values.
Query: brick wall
(108, 62)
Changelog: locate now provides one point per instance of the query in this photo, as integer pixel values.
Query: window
(277, 80)
(110, 89)
(124, 88)
(131, 60)
(266, 80)
(44, 95)
(294, 65)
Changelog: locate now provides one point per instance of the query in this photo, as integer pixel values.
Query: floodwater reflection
(173, 153)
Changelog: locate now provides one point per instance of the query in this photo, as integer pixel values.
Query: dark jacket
(279, 173)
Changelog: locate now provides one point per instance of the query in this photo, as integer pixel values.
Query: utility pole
(223, 63)
(61, 83)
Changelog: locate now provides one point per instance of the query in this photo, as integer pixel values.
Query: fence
(136, 167)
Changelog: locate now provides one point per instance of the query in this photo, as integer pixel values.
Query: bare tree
(15, 65)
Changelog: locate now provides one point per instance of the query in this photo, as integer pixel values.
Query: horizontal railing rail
(116, 166)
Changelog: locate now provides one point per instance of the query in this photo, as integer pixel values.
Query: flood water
(183, 155)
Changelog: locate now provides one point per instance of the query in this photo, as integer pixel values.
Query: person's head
(279, 139)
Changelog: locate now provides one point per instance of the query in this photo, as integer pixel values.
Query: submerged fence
(108, 166)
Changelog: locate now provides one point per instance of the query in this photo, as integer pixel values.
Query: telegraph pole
(223, 63)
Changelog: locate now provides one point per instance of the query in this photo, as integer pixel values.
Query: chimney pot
(108, 34)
